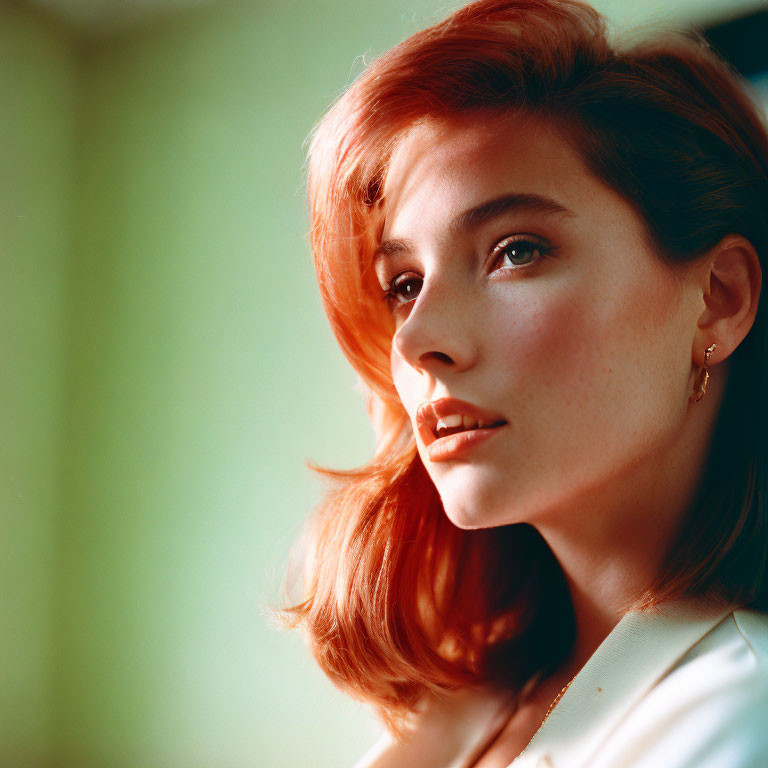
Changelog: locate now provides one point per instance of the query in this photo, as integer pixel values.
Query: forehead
(475, 136)
(440, 167)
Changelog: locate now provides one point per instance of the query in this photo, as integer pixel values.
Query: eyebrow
(480, 214)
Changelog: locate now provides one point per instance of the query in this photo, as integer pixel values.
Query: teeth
(447, 422)
(455, 420)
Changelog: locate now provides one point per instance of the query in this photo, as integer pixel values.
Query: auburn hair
(396, 601)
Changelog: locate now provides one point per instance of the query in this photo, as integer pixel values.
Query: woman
(542, 255)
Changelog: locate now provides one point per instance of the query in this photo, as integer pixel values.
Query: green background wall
(166, 371)
(38, 87)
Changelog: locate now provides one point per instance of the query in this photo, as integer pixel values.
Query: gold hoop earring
(700, 387)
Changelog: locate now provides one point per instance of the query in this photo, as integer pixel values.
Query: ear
(731, 288)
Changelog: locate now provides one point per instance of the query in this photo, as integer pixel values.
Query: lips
(437, 420)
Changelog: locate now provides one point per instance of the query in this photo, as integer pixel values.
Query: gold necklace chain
(551, 707)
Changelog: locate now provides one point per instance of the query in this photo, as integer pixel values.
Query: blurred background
(167, 369)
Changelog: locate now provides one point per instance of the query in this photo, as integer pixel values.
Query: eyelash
(504, 246)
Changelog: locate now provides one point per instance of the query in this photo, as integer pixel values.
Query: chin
(472, 499)
(463, 518)
(477, 500)
(470, 515)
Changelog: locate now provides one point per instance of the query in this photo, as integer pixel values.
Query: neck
(612, 548)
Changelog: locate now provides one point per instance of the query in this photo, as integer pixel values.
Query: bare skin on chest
(513, 738)
(522, 725)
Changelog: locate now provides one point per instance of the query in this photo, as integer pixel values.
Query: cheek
(543, 341)
(592, 360)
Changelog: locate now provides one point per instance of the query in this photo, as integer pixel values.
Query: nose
(440, 332)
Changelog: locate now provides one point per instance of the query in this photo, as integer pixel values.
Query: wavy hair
(396, 601)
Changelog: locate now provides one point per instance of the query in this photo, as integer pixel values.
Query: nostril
(441, 356)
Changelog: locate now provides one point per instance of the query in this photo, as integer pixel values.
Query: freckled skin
(587, 354)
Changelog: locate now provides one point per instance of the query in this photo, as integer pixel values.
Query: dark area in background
(742, 41)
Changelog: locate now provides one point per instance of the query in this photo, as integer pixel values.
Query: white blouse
(683, 687)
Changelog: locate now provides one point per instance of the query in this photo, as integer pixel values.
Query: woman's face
(522, 286)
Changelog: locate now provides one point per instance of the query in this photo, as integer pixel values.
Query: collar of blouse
(641, 649)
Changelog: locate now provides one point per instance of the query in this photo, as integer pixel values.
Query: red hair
(398, 602)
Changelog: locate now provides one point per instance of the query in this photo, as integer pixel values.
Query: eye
(517, 252)
(402, 289)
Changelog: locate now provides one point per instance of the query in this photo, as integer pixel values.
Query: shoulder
(709, 711)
